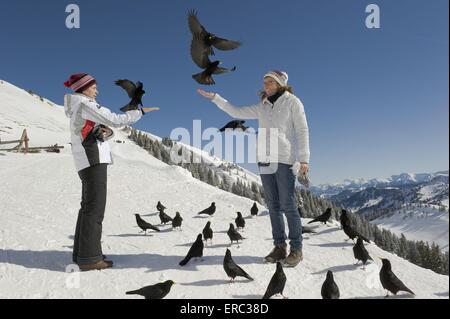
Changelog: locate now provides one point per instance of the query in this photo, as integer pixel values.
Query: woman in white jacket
(283, 146)
(91, 152)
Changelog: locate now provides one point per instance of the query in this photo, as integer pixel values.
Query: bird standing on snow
(330, 290)
(254, 209)
(135, 93)
(160, 206)
(240, 221)
(322, 218)
(177, 221)
(144, 225)
(232, 269)
(277, 283)
(196, 251)
(164, 217)
(389, 280)
(233, 234)
(352, 233)
(209, 211)
(360, 252)
(207, 232)
(157, 291)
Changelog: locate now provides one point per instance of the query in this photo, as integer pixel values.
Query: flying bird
(200, 57)
(209, 40)
(135, 93)
(234, 125)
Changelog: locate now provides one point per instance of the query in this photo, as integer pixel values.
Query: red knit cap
(79, 82)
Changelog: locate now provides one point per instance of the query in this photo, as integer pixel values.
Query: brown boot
(102, 264)
(277, 254)
(294, 258)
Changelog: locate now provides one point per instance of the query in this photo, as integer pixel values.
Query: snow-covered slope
(418, 223)
(39, 206)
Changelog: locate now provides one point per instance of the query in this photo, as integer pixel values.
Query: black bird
(135, 93)
(200, 57)
(234, 125)
(208, 39)
(233, 234)
(232, 269)
(389, 280)
(240, 221)
(277, 283)
(164, 217)
(360, 252)
(196, 251)
(254, 209)
(344, 219)
(307, 230)
(158, 291)
(352, 233)
(160, 206)
(209, 211)
(207, 232)
(322, 218)
(144, 225)
(177, 221)
(329, 288)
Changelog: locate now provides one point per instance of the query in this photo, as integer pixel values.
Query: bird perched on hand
(135, 93)
(208, 40)
(254, 209)
(207, 232)
(389, 280)
(344, 218)
(360, 252)
(160, 206)
(277, 283)
(233, 234)
(352, 233)
(209, 211)
(144, 225)
(196, 251)
(234, 125)
(322, 218)
(240, 221)
(158, 291)
(164, 217)
(232, 269)
(330, 290)
(177, 221)
(200, 57)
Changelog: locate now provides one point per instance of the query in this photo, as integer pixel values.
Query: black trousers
(87, 248)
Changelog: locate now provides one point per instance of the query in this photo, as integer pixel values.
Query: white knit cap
(279, 76)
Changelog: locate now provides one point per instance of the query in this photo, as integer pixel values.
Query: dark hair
(281, 89)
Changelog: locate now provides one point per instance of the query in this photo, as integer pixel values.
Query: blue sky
(376, 100)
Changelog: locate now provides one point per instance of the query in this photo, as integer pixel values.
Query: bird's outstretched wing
(220, 70)
(128, 86)
(225, 45)
(194, 25)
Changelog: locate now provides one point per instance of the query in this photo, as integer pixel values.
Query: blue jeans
(279, 187)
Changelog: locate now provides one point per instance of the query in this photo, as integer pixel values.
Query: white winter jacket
(285, 119)
(85, 113)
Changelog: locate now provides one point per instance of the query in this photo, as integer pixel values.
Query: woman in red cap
(89, 128)
(280, 159)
